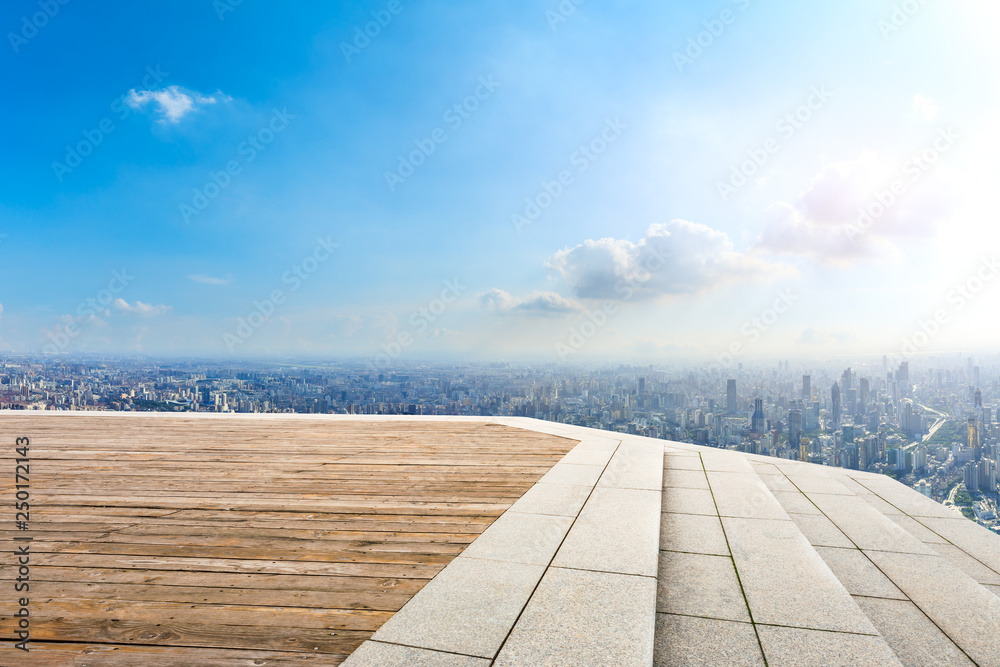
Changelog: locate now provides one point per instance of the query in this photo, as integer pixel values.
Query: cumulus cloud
(210, 280)
(172, 103)
(788, 231)
(678, 257)
(849, 212)
(500, 301)
(140, 308)
(925, 108)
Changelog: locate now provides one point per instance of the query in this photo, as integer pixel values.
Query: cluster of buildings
(935, 428)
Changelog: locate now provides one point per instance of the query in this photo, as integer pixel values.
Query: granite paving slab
(700, 585)
(468, 608)
(911, 635)
(744, 495)
(580, 619)
(792, 647)
(618, 530)
(692, 533)
(964, 610)
(378, 654)
(785, 580)
(858, 574)
(686, 641)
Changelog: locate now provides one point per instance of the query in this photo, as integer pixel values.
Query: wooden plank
(168, 540)
(123, 655)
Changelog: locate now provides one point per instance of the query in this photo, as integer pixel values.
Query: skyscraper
(973, 440)
(794, 429)
(971, 477)
(757, 422)
(731, 397)
(835, 395)
(806, 387)
(903, 378)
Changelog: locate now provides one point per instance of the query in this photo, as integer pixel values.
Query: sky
(547, 181)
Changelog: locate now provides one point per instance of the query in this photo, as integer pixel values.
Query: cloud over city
(674, 258)
(857, 210)
(139, 308)
(538, 303)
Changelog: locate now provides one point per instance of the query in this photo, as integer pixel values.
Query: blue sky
(192, 87)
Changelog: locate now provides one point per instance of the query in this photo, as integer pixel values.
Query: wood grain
(239, 540)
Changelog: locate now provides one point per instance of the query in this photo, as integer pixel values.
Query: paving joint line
(554, 554)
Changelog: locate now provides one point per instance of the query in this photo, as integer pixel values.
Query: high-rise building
(864, 395)
(642, 386)
(903, 378)
(907, 418)
(987, 476)
(758, 424)
(794, 429)
(972, 440)
(731, 397)
(835, 396)
(972, 477)
(845, 380)
(806, 387)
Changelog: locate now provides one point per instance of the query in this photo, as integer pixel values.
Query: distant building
(903, 379)
(987, 476)
(907, 418)
(835, 396)
(806, 387)
(972, 477)
(972, 438)
(794, 429)
(758, 423)
(731, 397)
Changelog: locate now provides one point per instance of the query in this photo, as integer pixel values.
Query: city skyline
(934, 428)
(561, 183)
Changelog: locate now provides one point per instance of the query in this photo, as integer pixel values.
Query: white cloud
(539, 303)
(1, 310)
(787, 231)
(210, 280)
(827, 224)
(925, 108)
(814, 336)
(140, 308)
(173, 103)
(678, 257)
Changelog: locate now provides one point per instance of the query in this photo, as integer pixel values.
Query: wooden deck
(229, 540)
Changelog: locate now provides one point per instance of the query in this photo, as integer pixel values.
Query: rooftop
(294, 539)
